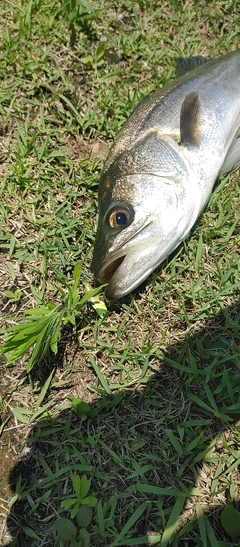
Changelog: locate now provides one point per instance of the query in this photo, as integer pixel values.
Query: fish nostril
(111, 268)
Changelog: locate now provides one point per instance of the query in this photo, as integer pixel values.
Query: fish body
(161, 171)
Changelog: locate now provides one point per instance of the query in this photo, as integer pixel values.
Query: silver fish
(161, 171)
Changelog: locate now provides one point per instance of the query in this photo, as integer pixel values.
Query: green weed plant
(42, 329)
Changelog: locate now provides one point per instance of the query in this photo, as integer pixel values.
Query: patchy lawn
(127, 432)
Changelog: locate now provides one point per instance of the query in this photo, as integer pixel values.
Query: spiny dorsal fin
(186, 64)
(190, 119)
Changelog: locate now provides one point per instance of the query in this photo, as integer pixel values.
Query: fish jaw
(112, 258)
(128, 272)
(132, 271)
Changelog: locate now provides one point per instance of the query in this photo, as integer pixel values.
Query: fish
(185, 64)
(161, 171)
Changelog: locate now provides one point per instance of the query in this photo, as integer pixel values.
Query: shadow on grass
(144, 446)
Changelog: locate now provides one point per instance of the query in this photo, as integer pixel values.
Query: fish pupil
(120, 216)
(121, 219)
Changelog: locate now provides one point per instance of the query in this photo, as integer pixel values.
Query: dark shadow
(140, 427)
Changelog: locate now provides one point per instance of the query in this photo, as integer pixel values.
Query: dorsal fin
(186, 64)
(190, 120)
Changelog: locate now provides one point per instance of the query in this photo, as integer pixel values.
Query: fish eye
(120, 217)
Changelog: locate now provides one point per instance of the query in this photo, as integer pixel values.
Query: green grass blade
(130, 523)
(210, 533)
(201, 525)
(172, 523)
(99, 374)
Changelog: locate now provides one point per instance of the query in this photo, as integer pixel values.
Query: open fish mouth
(109, 271)
(105, 273)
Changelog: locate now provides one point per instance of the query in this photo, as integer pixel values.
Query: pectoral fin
(190, 120)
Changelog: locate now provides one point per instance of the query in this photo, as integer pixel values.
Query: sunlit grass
(136, 409)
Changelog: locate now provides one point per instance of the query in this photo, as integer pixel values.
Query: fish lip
(112, 293)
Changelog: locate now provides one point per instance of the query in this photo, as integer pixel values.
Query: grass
(118, 427)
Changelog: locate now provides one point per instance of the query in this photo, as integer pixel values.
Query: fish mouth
(111, 269)
(118, 282)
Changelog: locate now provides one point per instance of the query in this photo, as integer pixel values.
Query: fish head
(145, 209)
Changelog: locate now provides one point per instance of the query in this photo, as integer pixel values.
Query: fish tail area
(233, 157)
